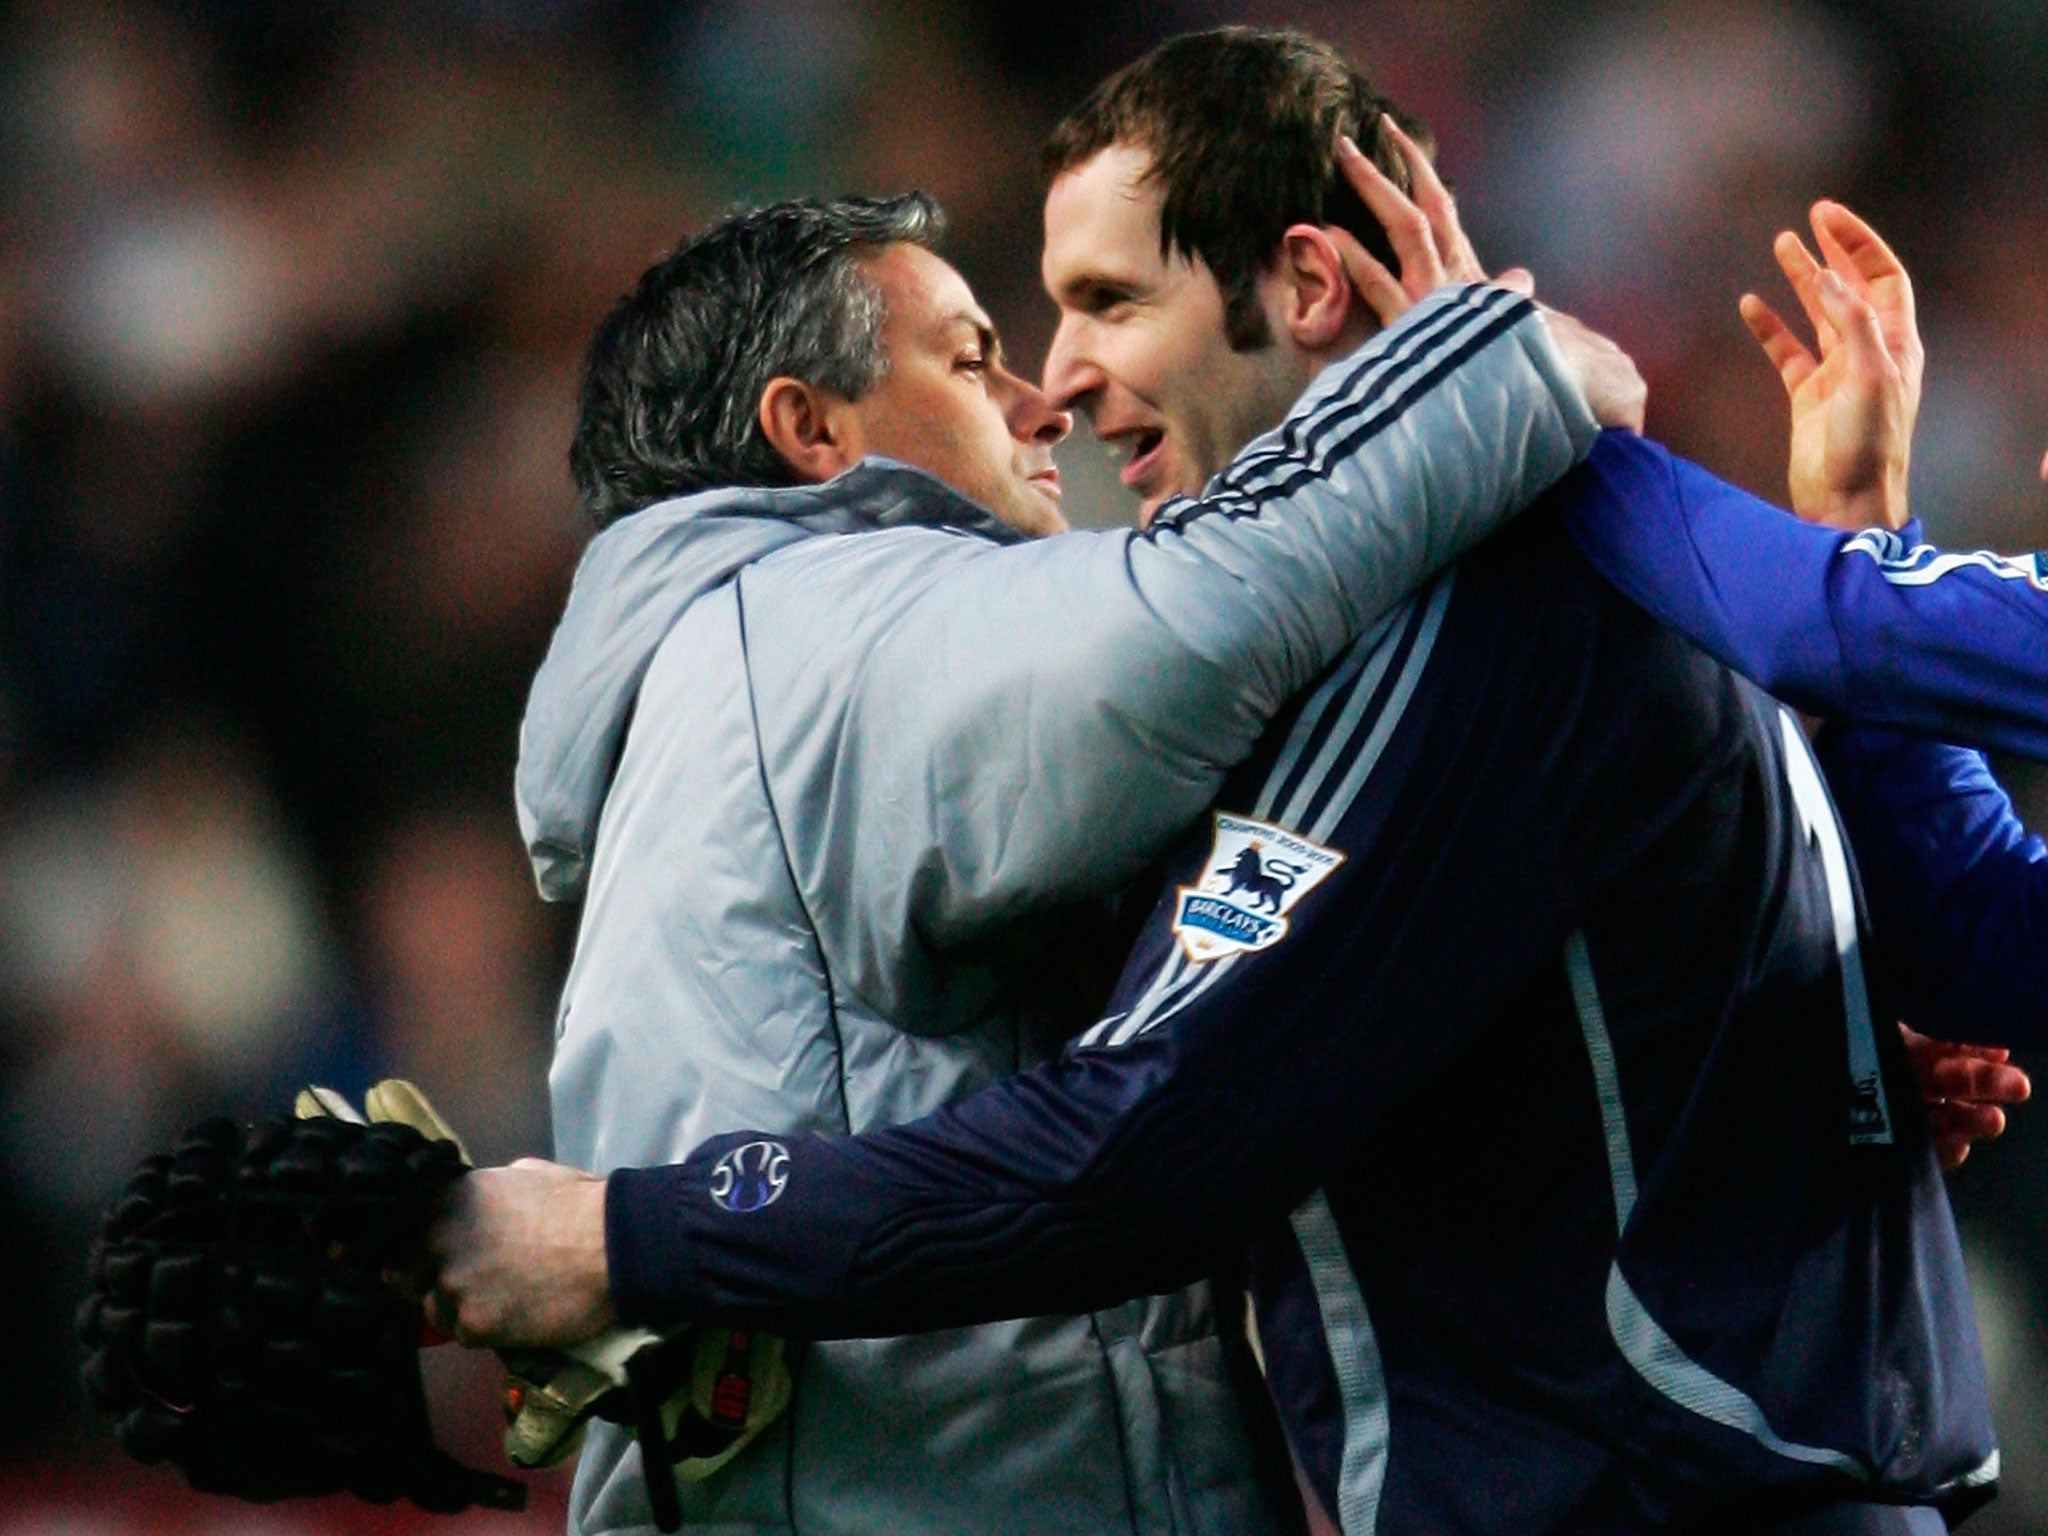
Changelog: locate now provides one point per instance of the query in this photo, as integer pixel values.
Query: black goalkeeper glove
(250, 1318)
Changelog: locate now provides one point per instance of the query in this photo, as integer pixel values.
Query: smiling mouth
(1144, 459)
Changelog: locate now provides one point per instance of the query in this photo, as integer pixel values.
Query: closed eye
(984, 352)
(1102, 300)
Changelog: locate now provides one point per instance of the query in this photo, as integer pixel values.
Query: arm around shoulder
(1872, 626)
(1084, 696)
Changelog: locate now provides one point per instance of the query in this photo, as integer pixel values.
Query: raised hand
(1432, 249)
(1853, 405)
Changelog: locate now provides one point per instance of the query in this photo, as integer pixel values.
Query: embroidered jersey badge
(1254, 875)
(750, 1176)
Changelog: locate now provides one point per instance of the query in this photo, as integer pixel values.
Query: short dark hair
(673, 377)
(1241, 123)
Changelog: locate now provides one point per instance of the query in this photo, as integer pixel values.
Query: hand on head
(1433, 249)
(1854, 404)
(1424, 230)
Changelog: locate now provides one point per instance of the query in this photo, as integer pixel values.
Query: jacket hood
(636, 579)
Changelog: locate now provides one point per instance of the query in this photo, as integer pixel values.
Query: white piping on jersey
(1870, 1110)
(1368, 660)
(1986, 1471)
(1654, 1354)
(1621, 1158)
(1921, 565)
(1355, 1357)
(1367, 757)
(1160, 1000)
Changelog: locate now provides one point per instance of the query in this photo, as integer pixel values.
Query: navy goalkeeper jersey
(1511, 1013)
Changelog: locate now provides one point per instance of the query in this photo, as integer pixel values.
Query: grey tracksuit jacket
(830, 767)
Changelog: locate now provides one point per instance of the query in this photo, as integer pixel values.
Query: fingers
(1521, 280)
(1838, 257)
(1965, 1048)
(1802, 270)
(1854, 320)
(1407, 227)
(1787, 353)
(1951, 1069)
(1867, 271)
(1955, 1126)
(1873, 270)
(1852, 247)
(1962, 1079)
(1460, 261)
(1964, 1085)
(1380, 289)
(2044, 466)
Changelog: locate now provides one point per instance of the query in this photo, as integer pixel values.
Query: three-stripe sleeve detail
(1367, 703)
(1375, 395)
(1921, 565)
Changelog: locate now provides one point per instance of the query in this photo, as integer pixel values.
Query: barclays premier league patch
(1255, 873)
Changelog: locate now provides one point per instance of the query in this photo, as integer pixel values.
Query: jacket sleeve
(1958, 888)
(1870, 626)
(1045, 718)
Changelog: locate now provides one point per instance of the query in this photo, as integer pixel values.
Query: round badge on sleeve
(750, 1176)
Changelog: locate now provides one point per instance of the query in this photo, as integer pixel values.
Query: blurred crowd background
(292, 300)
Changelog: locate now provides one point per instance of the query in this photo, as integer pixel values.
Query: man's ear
(809, 428)
(1317, 305)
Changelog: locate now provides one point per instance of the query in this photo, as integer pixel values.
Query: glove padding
(694, 1397)
(244, 1322)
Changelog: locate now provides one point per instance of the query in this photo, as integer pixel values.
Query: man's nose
(1071, 375)
(1032, 417)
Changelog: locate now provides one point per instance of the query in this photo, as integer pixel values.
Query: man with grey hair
(840, 765)
(676, 377)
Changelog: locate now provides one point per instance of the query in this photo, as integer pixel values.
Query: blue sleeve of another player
(1957, 887)
(1871, 626)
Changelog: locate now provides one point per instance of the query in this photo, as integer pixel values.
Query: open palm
(1853, 405)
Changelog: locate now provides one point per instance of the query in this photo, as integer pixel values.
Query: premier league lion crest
(1254, 874)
